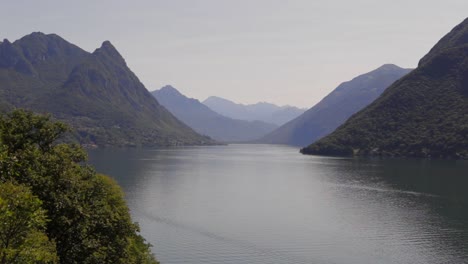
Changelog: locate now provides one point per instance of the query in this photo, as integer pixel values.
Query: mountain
(424, 114)
(96, 93)
(348, 98)
(265, 112)
(33, 66)
(205, 121)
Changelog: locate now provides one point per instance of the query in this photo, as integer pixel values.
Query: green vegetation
(424, 114)
(60, 208)
(95, 93)
(22, 236)
(333, 110)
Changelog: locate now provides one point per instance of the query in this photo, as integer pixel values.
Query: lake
(261, 204)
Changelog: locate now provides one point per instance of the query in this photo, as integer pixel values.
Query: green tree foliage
(88, 217)
(22, 225)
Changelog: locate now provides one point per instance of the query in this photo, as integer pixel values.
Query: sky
(287, 52)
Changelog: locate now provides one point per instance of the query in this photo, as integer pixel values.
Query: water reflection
(268, 204)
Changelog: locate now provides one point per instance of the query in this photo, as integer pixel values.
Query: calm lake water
(261, 204)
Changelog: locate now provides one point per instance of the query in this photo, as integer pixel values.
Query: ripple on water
(268, 204)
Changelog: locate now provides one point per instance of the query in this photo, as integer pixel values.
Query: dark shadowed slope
(205, 121)
(34, 65)
(265, 112)
(424, 114)
(94, 92)
(348, 98)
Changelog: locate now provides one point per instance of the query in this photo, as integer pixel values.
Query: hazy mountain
(424, 114)
(95, 92)
(205, 121)
(265, 112)
(348, 98)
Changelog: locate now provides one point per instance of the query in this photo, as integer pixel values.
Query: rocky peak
(40, 48)
(168, 89)
(109, 51)
(12, 57)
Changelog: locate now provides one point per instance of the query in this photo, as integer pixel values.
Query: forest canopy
(53, 207)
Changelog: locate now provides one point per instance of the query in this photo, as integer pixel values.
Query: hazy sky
(281, 51)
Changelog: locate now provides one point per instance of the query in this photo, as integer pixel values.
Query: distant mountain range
(96, 93)
(424, 114)
(206, 121)
(265, 112)
(332, 111)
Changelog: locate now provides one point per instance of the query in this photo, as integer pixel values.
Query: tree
(22, 225)
(89, 219)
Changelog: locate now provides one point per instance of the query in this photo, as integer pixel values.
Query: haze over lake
(268, 204)
(237, 132)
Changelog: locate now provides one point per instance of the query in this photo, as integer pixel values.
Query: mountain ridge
(333, 110)
(422, 115)
(96, 93)
(261, 111)
(206, 121)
